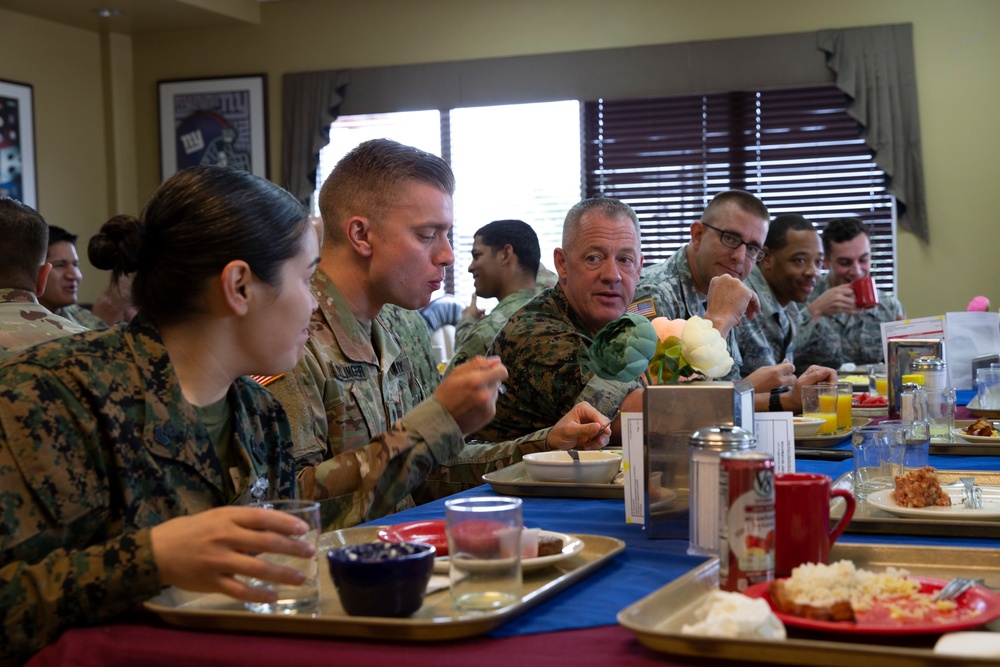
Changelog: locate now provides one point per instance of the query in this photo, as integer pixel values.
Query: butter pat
(734, 615)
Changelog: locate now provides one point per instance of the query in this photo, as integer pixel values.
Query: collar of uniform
(694, 301)
(379, 348)
(12, 294)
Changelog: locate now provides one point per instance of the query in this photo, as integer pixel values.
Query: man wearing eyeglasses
(704, 278)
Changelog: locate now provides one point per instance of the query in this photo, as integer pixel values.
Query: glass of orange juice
(845, 392)
(819, 401)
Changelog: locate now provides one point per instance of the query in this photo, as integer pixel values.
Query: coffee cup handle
(845, 519)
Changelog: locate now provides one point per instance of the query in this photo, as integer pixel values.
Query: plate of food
(884, 501)
(430, 531)
(823, 440)
(841, 598)
(550, 546)
(979, 431)
(869, 405)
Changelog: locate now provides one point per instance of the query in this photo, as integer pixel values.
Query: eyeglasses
(731, 240)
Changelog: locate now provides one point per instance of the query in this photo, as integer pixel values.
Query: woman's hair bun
(116, 247)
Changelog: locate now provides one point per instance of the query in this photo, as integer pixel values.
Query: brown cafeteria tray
(869, 519)
(434, 621)
(514, 481)
(961, 448)
(657, 619)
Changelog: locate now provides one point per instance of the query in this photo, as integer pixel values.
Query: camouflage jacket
(667, 290)
(357, 417)
(766, 339)
(842, 338)
(98, 445)
(410, 330)
(544, 346)
(82, 316)
(25, 322)
(473, 337)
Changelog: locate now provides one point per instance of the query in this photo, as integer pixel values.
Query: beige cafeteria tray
(514, 481)
(869, 519)
(657, 619)
(962, 448)
(434, 621)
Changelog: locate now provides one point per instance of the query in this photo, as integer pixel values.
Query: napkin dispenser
(902, 353)
(671, 413)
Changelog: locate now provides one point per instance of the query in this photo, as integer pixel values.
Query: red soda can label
(746, 519)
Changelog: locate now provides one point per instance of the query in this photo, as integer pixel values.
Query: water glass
(874, 468)
(484, 547)
(819, 401)
(936, 406)
(913, 450)
(291, 599)
(988, 388)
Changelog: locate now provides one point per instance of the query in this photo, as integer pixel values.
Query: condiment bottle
(907, 398)
(933, 370)
(705, 445)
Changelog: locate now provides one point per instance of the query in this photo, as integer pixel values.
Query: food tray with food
(831, 439)
(657, 619)
(434, 621)
(515, 481)
(963, 444)
(870, 517)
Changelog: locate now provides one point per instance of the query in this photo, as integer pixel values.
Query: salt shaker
(705, 446)
(907, 401)
(933, 370)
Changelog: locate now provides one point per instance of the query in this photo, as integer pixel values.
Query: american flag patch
(264, 380)
(644, 308)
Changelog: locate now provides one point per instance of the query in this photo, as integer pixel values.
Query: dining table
(576, 626)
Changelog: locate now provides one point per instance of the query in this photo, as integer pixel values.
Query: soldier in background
(23, 273)
(61, 290)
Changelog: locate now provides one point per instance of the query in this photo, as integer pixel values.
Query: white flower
(704, 348)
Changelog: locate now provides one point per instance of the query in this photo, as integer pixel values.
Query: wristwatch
(775, 403)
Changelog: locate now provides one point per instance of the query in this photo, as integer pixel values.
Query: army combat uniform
(766, 340)
(842, 338)
(544, 346)
(98, 445)
(25, 322)
(473, 337)
(667, 290)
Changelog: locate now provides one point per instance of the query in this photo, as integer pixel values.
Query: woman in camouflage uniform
(116, 445)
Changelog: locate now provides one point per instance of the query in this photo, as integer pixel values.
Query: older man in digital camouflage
(23, 273)
(545, 344)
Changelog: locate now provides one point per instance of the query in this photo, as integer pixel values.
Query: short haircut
(842, 230)
(521, 237)
(368, 182)
(777, 233)
(196, 222)
(612, 208)
(57, 234)
(740, 199)
(25, 244)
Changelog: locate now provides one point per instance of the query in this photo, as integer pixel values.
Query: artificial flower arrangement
(665, 351)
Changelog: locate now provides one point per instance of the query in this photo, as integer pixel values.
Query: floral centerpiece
(665, 351)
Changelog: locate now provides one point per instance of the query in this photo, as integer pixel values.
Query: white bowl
(594, 467)
(806, 427)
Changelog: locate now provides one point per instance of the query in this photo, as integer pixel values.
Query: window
(797, 149)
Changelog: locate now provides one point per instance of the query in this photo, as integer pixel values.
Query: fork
(954, 588)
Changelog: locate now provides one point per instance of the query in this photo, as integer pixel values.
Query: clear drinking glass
(819, 401)
(484, 552)
(874, 468)
(912, 451)
(936, 406)
(292, 599)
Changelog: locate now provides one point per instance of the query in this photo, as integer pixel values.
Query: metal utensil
(954, 588)
(573, 454)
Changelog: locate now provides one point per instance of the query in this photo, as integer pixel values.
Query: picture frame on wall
(214, 121)
(17, 143)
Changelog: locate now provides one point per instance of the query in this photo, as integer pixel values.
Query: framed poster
(214, 121)
(17, 143)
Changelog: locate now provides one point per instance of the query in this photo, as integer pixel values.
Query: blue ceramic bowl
(382, 578)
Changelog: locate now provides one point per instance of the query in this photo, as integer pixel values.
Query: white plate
(959, 433)
(571, 546)
(991, 505)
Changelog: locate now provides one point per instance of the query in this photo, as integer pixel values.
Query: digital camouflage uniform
(544, 346)
(410, 329)
(350, 387)
(25, 322)
(98, 445)
(667, 290)
(83, 316)
(473, 337)
(842, 338)
(766, 340)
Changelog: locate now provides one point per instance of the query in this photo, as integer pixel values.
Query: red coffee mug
(802, 519)
(865, 294)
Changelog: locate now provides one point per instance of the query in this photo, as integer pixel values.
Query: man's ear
(559, 258)
(237, 281)
(768, 262)
(359, 235)
(697, 230)
(507, 254)
(43, 278)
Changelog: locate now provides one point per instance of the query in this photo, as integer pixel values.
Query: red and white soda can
(746, 519)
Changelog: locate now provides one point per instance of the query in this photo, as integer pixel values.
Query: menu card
(775, 433)
(635, 474)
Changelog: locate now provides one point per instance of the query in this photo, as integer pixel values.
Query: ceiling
(141, 15)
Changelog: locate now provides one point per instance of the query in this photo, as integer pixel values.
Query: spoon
(573, 454)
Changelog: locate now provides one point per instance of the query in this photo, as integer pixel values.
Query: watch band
(775, 403)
